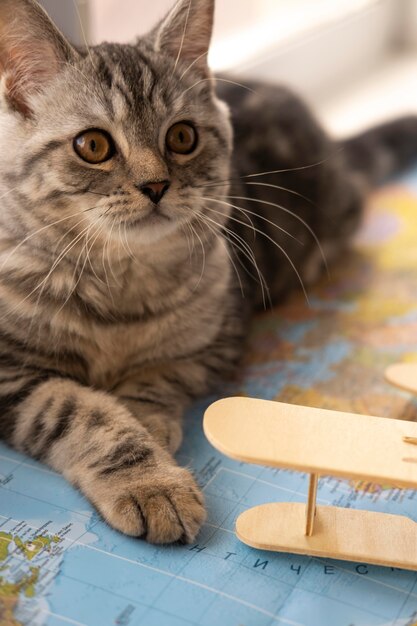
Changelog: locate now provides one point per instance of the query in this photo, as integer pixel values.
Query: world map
(61, 564)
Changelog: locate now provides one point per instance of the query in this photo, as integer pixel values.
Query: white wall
(71, 17)
(123, 20)
(305, 43)
(319, 47)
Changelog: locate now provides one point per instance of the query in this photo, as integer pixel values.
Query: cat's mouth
(155, 217)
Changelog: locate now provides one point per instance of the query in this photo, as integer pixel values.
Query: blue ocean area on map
(61, 564)
(97, 576)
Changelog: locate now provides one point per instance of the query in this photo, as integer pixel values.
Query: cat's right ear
(32, 51)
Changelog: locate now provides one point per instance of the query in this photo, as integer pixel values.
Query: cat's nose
(155, 191)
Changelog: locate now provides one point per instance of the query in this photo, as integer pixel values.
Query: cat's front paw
(162, 506)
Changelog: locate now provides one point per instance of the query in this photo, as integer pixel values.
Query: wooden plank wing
(319, 441)
(316, 441)
(345, 534)
(403, 376)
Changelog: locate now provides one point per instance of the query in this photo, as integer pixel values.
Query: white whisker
(115, 278)
(21, 243)
(274, 243)
(294, 169)
(257, 184)
(77, 282)
(43, 283)
(183, 36)
(219, 236)
(104, 266)
(118, 244)
(99, 279)
(290, 191)
(222, 80)
(8, 192)
(248, 253)
(57, 261)
(183, 229)
(203, 259)
(294, 215)
(281, 171)
(255, 214)
(126, 245)
(192, 64)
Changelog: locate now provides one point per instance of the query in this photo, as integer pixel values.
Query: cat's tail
(383, 151)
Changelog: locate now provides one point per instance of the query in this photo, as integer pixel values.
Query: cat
(127, 228)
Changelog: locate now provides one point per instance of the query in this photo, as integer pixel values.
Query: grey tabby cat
(120, 211)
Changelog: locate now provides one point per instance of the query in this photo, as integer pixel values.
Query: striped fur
(113, 318)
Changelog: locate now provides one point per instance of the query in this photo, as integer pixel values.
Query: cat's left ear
(185, 33)
(32, 51)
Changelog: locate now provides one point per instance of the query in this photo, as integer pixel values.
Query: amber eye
(182, 138)
(94, 146)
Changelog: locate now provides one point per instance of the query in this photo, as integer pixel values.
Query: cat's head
(127, 138)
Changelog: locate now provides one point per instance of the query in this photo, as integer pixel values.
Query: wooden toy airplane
(321, 442)
(403, 375)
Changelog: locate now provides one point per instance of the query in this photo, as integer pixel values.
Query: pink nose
(155, 191)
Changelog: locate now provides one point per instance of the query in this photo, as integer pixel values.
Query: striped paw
(162, 505)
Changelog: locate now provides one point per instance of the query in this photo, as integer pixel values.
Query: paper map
(61, 564)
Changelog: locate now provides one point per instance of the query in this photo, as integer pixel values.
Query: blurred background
(355, 61)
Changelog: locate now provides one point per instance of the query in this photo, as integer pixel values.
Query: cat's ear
(32, 51)
(185, 33)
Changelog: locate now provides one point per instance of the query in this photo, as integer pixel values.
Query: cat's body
(322, 182)
(120, 298)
